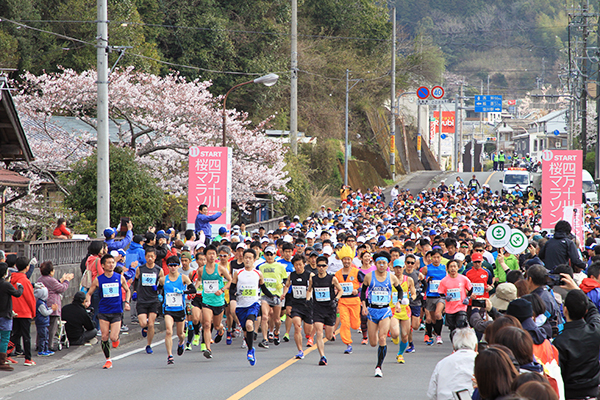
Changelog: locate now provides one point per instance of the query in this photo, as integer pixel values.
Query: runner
(175, 285)
(287, 252)
(457, 289)
(147, 277)
(196, 305)
(410, 263)
(434, 304)
(274, 275)
(110, 308)
(245, 285)
(213, 297)
(325, 300)
(400, 324)
(235, 266)
(349, 304)
(375, 296)
(301, 306)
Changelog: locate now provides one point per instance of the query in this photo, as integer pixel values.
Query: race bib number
(174, 300)
(148, 279)
(478, 289)
(271, 283)
(248, 291)
(380, 297)
(299, 292)
(322, 294)
(394, 297)
(453, 294)
(210, 286)
(110, 289)
(347, 288)
(433, 286)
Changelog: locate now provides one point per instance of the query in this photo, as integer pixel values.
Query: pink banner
(210, 183)
(574, 216)
(561, 184)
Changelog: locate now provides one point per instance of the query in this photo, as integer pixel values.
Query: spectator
(7, 292)
(42, 319)
(579, 344)
(18, 235)
(499, 323)
(536, 280)
(79, 326)
(55, 290)
(24, 307)
(521, 345)
(494, 373)
(537, 391)
(135, 253)
(2, 256)
(560, 249)
(109, 235)
(591, 284)
(203, 220)
(455, 372)
(61, 231)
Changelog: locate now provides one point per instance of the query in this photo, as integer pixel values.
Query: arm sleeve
(266, 291)
(363, 293)
(233, 288)
(400, 291)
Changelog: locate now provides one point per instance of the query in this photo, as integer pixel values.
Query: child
(42, 319)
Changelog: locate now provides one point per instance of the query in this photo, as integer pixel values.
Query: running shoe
(270, 337)
(107, 364)
(365, 341)
(310, 342)
(144, 332)
(228, 340)
(439, 340)
(244, 345)
(332, 338)
(250, 356)
(300, 355)
(286, 337)
(43, 354)
(237, 332)
(422, 327)
(276, 339)
(10, 360)
(170, 360)
(359, 330)
(202, 346)
(396, 340)
(180, 349)
(219, 337)
(348, 350)
(264, 344)
(426, 338)
(124, 328)
(431, 342)
(323, 361)
(208, 354)
(49, 353)
(400, 359)
(188, 347)
(149, 350)
(116, 344)
(196, 340)
(378, 373)
(411, 348)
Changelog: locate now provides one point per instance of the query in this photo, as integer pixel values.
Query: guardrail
(60, 252)
(270, 224)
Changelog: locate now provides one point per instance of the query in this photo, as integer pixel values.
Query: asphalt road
(229, 376)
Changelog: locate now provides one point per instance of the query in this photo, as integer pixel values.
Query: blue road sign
(444, 136)
(556, 132)
(491, 103)
(422, 92)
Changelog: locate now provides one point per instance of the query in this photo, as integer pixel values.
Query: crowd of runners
(383, 267)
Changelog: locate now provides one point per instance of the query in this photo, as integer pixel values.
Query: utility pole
(440, 137)
(584, 93)
(460, 126)
(346, 136)
(103, 195)
(419, 138)
(456, 116)
(393, 100)
(294, 81)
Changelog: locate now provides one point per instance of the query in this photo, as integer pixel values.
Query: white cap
(288, 238)
(327, 250)
(388, 243)
(264, 239)
(310, 235)
(114, 253)
(240, 246)
(459, 257)
(361, 239)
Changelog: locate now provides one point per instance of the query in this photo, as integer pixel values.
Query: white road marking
(50, 382)
(132, 352)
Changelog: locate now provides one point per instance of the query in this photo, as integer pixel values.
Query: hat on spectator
(138, 239)
(108, 232)
(505, 293)
(521, 309)
(161, 235)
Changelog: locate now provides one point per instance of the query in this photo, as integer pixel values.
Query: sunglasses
(269, 253)
(409, 249)
(322, 265)
(477, 262)
(223, 255)
(464, 247)
(409, 263)
(299, 245)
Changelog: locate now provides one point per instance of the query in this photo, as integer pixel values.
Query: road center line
(270, 374)
(489, 177)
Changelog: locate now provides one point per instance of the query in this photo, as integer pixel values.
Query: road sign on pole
(437, 92)
(490, 103)
(423, 92)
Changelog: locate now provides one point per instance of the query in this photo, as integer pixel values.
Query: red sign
(561, 184)
(210, 183)
(512, 102)
(448, 120)
(437, 92)
(423, 92)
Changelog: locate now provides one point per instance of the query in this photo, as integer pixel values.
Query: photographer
(110, 233)
(79, 326)
(537, 277)
(494, 307)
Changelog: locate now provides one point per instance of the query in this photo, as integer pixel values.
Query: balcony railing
(60, 252)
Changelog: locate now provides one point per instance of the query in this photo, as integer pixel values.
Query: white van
(515, 176)
(590, 191)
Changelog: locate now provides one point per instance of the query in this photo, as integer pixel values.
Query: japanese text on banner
(561, 184)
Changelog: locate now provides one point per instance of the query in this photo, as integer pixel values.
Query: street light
(267, 80)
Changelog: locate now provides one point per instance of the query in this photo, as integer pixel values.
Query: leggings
(4, 337)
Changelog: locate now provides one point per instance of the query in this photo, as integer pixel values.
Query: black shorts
(304, 313)
(216, 310)
(178, 316)
(111, 318)
(325, 315)
(147, 308)
(197, 301)
(288, 299)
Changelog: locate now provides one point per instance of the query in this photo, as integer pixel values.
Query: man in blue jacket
(203, 221)
(110, 233)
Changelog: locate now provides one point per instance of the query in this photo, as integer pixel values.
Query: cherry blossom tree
(159, 117)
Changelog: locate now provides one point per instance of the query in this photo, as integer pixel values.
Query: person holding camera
(79, 326)
(110, 233)
(560, 249)
(537, 278)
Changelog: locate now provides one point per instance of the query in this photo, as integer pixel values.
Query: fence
(60, 252)
(270, 224)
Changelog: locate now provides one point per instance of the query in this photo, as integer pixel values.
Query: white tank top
(247, 287)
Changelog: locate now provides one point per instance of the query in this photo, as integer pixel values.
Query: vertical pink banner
(209, 183)
(561, 184)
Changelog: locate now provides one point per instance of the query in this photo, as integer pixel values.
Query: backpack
(86, 279)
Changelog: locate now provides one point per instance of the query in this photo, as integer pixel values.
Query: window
(535, 145)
